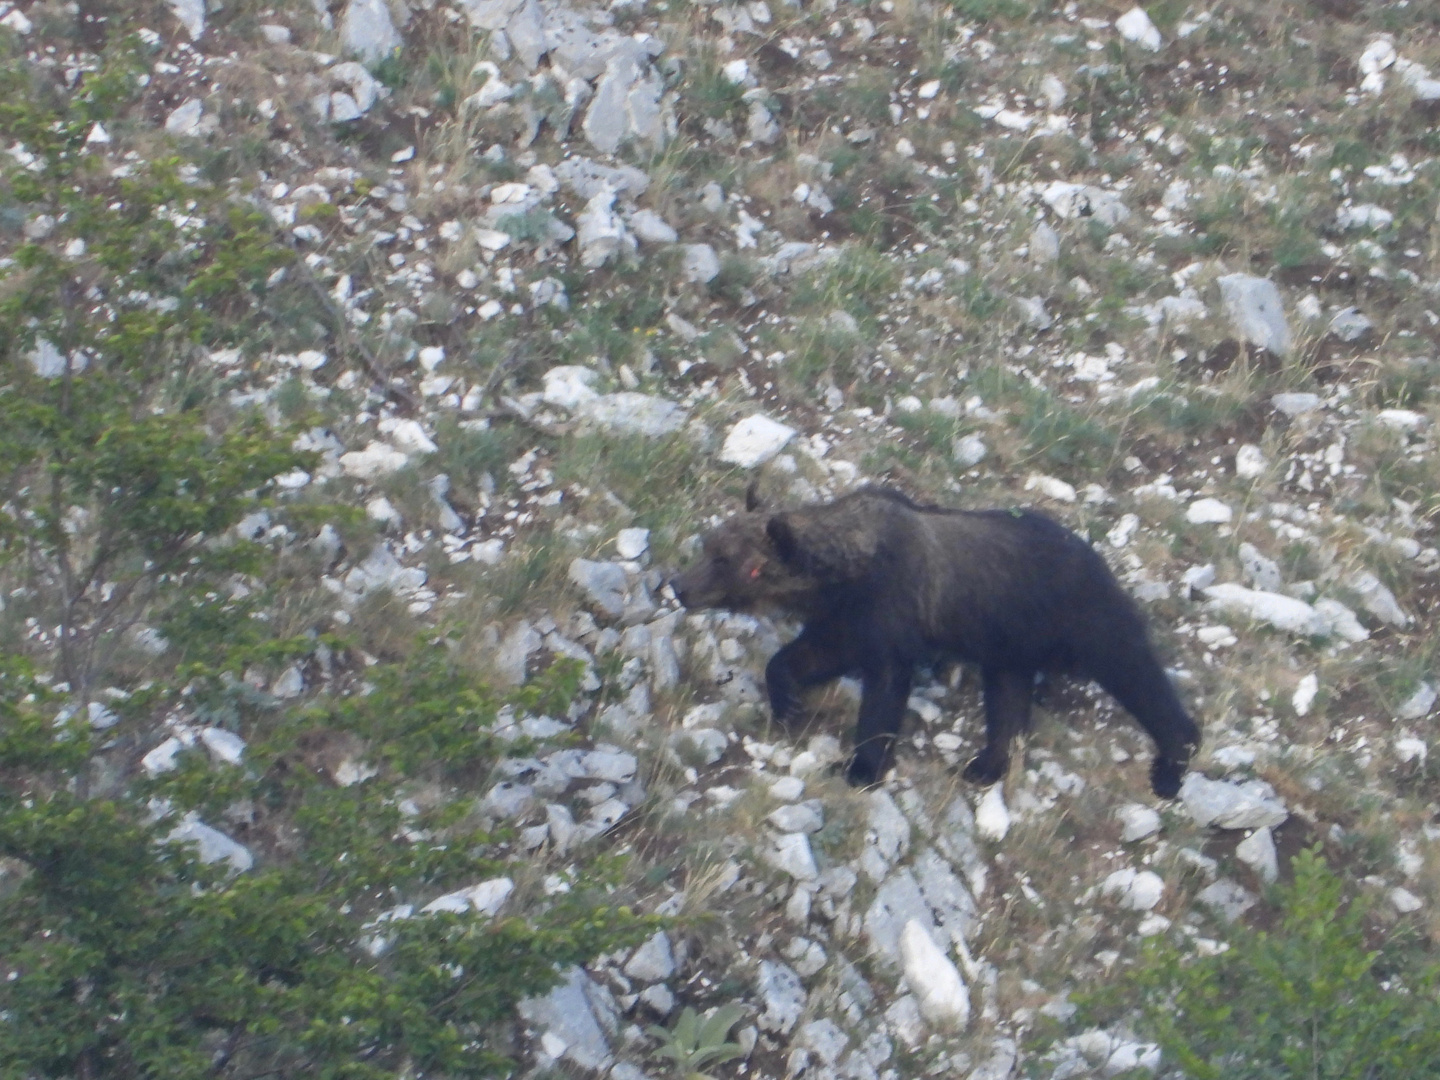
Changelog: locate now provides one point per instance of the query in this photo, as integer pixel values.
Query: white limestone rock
(1136, 26)
(1255, 311)
(791, 854)
(367, 31)
(1418, 704)
(1135, 890)
(191, 14)
(604, 584)
(211, 844)
(754, 441)
(487, 898)
(1224, 804)
(1250, 462)
(1226, 898)
(571, 1023)
(699, 264)
(1262, 572)
(1137, 822)
(1084, 201)
(1208, 512)
(992, 819)
(1257, 851)
(653, 961)
(1304, 696)
(940, 992)
(783, 996)
(1377, 599)
(1282, 612)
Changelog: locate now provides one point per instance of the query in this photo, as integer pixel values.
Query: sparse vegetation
(340, 484)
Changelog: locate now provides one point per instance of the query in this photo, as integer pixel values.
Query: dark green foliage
(121, 478)
(116, 485)
(127, 956)
(1307, 999)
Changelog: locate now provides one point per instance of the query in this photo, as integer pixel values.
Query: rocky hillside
(529, 292)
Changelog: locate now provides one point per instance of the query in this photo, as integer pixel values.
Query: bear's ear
(753, 502)
(782, 535)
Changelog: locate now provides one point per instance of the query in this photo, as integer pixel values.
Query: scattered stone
(1367, 216)
(633, 413)
(376, 460)
(1083, 201)
(654, 961)
(1051, 487)
(1250, 462)
(211, 845)
(783, 996)
(1282, 612)
(48, 361)
(367, 31)
(1208, 512)
(184, 119)
(1136, 890)
(1045, 241)
(1253, 306)
(486, 898)
(969, 451)
(1350, 324)
(898, 901)
(754, 441)
(651, 228)
(1418, 704)
(792, 855)
(703, 745)
(1226, 805)
(191, 14)
(1295, 404)
(1405, 902)
(1033, 313)
(699, 264)
(1304, 696)
(569, 1019)
(1226, 898)
(1262, 572)
(1136, 26)
(1340, 620)
(601, 234)
(604, 584)
(1377, 599)
(806, 817)
(939, 990)
(1138, 822)
(992, 819)
(1257, 851)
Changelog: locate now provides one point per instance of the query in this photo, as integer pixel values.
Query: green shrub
(1307, 999)
(124, 955)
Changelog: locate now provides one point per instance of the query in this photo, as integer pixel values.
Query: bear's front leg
(882, 708)
(820, 653)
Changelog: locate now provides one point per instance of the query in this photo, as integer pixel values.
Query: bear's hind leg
(1008, 695)
(882, 708)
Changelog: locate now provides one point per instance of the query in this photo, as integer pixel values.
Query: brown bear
(882, 583)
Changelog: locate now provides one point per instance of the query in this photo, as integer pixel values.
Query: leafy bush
(127, 955)
(1309, 999)
(126, 950)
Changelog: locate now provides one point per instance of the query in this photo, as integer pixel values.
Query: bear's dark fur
(882, 583)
